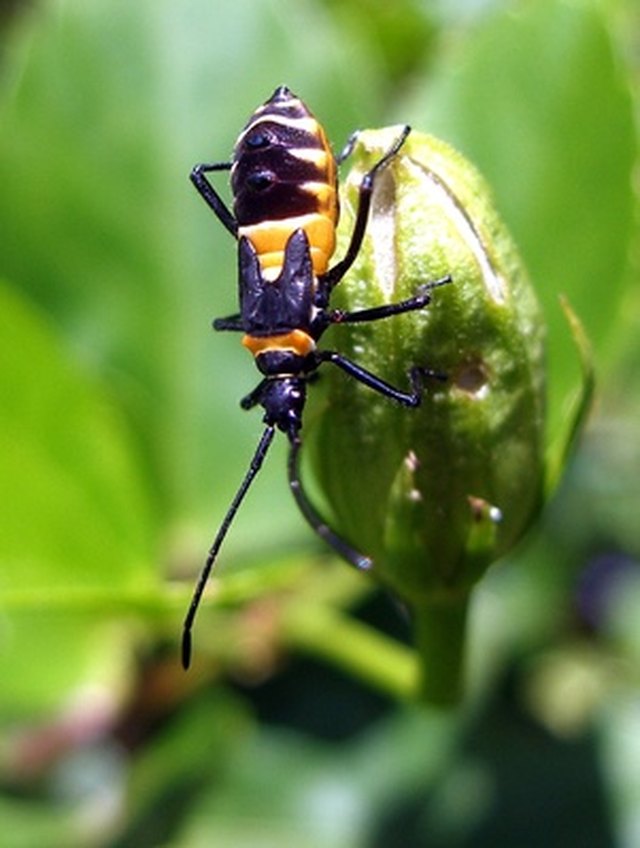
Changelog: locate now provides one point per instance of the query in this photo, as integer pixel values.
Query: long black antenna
(254, 467)
(352, 556)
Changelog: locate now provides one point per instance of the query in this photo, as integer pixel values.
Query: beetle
(284, 183)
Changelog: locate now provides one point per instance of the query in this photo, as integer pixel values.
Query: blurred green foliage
(121, 440)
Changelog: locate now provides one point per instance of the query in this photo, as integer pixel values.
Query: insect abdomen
(283, 179)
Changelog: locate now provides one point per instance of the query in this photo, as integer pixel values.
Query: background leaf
(75, 514)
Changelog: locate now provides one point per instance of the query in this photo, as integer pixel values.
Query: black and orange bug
(285, 213)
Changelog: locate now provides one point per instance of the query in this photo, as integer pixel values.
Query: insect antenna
(254, 467)
(343, 548)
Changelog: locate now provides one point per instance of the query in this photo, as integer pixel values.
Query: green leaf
(324, 795)
(195, 749)
(74, 516)
(26, 824)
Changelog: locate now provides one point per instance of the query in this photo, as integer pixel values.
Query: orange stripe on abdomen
(269, 239)
(284, 178)
(296, 341)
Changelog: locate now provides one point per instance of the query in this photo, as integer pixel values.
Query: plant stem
(239, 588)
(440, 628)
(326, 633)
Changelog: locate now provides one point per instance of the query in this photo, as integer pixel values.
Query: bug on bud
(437, 494)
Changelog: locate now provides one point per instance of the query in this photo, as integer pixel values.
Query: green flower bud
(434, 494)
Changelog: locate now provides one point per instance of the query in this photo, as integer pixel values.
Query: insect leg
(347, 150)
(417, 375)
(342, 547)
(211, 196)
(254, 397)
(231, 322)
(335, 274)
(254, 467)
(418, 301)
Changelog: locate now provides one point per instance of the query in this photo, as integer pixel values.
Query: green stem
(326, 633)
(440, 629)
(235, 589)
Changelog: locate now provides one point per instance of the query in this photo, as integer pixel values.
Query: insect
(285, 211)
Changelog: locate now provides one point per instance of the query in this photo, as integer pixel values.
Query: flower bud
(433, 494)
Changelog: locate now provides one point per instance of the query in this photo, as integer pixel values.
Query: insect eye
(257, 139)
(260, 180)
